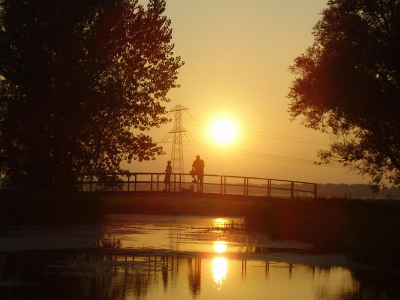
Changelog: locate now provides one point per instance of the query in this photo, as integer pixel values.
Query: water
(158, 257)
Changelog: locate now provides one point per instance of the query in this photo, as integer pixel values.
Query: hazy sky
(237, 55)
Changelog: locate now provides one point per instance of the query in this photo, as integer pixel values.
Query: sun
(223, 131)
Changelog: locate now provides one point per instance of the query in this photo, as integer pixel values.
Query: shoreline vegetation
(366, 231)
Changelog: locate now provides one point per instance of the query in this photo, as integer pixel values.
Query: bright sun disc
(223, 131)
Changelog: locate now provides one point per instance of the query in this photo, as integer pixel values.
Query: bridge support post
(158, 177)
(292, 191)
(135, 182)
(315, 191)
(224, 184)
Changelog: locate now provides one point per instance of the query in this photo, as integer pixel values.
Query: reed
(367, 231)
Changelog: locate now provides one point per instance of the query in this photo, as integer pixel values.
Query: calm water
(154, 257)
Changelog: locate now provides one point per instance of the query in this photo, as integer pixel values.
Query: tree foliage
(79, 83)
(348, 84)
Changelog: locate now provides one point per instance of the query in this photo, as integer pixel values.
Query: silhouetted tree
(348, 84)
(79, 82)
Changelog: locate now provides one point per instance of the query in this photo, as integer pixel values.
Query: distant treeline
(362, 191)
(329, 190)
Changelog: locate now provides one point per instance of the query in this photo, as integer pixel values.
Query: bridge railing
(221, 184)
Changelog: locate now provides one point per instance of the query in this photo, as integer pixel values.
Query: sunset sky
(237, 55)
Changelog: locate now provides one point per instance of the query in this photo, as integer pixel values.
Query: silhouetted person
(198, 169)
(167, 178)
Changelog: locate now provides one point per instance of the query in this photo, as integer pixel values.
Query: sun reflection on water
(220, 246)
(220, 268)
(220, 223)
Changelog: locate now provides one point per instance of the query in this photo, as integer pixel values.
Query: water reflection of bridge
(215, 184)
(129, 274)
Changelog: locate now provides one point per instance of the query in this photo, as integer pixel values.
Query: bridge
(213, 184)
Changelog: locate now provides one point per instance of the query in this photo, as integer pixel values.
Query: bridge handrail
(179, 179)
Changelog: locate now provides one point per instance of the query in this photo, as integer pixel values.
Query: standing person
(198, 169)
(167, 178)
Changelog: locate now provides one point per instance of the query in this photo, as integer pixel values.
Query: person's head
(169, 162)
(197, 156)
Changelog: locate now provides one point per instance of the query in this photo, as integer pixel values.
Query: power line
(265, 155)
(274, 136)
(179, 130)
(286, 138)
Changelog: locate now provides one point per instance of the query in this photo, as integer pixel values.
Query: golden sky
(237, 55)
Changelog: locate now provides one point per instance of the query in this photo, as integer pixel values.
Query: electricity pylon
(177, 133)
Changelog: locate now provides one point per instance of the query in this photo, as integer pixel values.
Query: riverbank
(31, 208)
(21, 208)
(366, 231)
